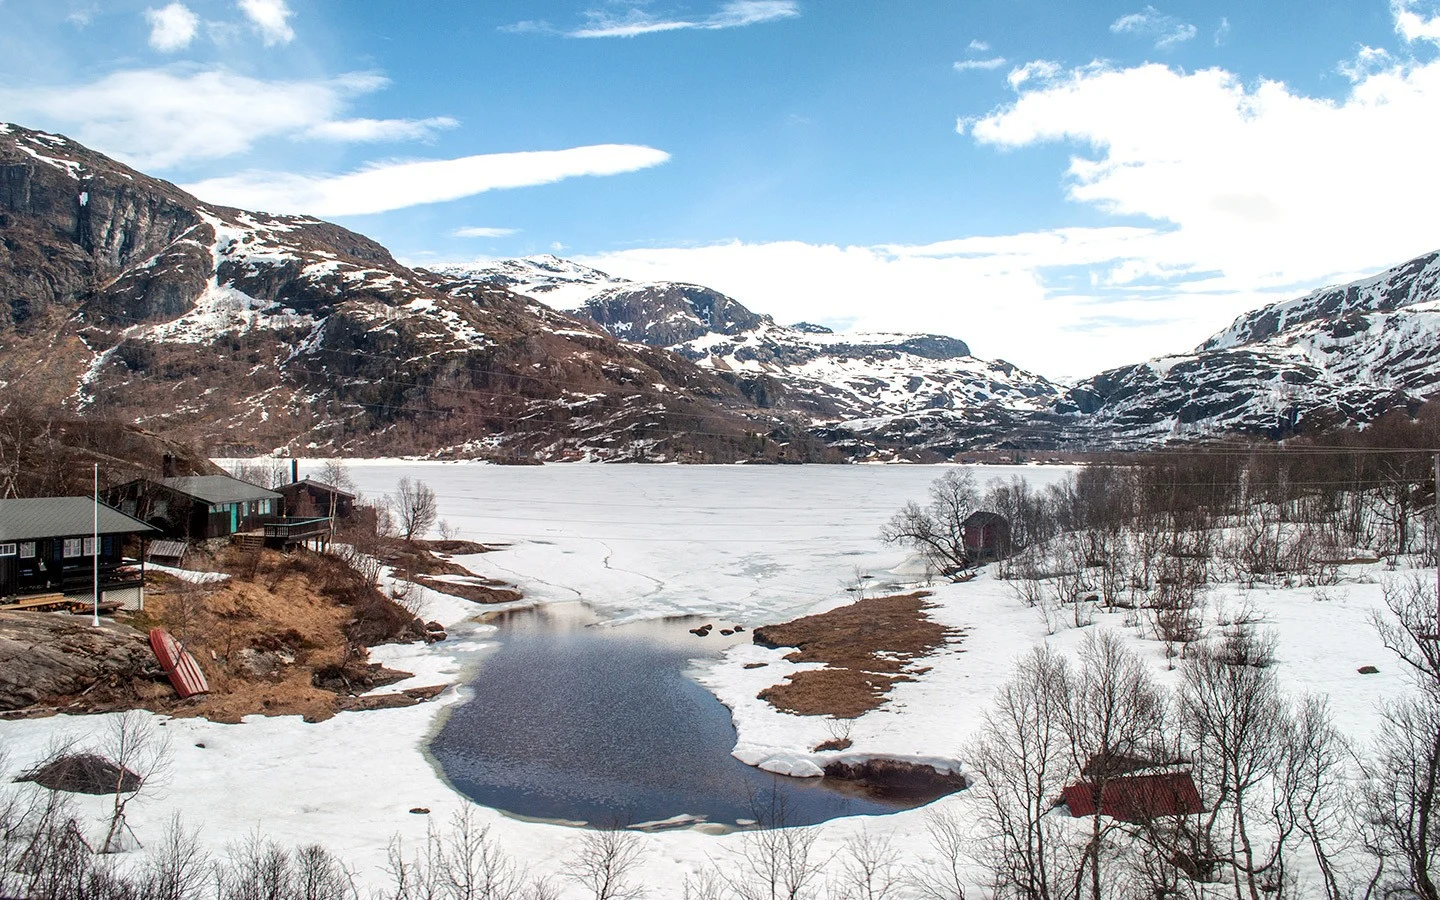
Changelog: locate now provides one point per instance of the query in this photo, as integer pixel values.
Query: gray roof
(29, 518)
(320, 485)
(218, 488)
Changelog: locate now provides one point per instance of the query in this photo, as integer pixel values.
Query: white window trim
(9, 549)
(27, 549)
(73, 544)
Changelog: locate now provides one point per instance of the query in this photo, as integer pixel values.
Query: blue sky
(1068, 186)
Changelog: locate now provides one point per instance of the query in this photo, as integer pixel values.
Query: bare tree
(335, 473)
(604, 864)
(777, 863)
(1022, 758)
(935, 531)
(870, 869)
(414, 507)
(1114, 719)
(943, 879)
(1234, 721)
(141, 755)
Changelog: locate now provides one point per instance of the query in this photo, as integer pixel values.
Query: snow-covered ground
(751, 544)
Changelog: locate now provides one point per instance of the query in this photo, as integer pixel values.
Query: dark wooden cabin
(986, 536)
(307, 498)
(198, 507)
(47, 546)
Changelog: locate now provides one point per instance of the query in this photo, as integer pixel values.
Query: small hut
(1135, 798)
(986, 536)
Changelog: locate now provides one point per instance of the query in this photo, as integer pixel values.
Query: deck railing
(293, 530)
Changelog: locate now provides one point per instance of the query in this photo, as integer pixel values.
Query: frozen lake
(604, 723)
(753, 544)
(572, 722)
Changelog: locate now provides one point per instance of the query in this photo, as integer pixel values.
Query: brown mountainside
(123, 298)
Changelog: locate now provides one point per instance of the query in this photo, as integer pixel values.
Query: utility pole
(95, 547)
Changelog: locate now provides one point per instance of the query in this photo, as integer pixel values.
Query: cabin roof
(217, 488)
(1136, 798)
(983, 517)
(32, 518)
(317, 485)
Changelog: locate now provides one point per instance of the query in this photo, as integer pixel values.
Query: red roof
(1135, 798)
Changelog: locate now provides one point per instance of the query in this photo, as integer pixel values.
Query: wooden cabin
(307, 498)
(198, 507)
(1135, 798)
(986, 536)
(47, 546)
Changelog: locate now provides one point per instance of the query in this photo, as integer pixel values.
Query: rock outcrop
(46, 657)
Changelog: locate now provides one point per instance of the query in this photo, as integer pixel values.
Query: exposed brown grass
(867, 647)
(263, 636)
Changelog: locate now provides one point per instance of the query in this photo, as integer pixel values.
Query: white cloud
(1166, 31)
(1008, 296)
(968, 65)
(980, 46)
(1035, 70)
(1245, 193)
(1367, 61)
(635, 20)
(483, 232)
(1413, 26)
(387, 186)
(172, 27)
(154, 118)
(271, 18)
(372, 130)
(1259, 182)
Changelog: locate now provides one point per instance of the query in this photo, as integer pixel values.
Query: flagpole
(95, 550)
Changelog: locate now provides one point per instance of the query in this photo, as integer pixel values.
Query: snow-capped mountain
(916, 390)
(128, 298)
(1339, 355)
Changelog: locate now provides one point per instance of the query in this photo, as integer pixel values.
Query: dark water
(600, 725)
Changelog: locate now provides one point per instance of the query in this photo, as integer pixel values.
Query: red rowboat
(180, 667)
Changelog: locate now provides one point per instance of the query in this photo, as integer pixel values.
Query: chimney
(294, 470)
(167, 466)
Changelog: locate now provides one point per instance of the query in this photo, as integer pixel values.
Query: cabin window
(262, 507)
(73, 547)
(27, 549)
(89, 547)
(107, 545)
(8, 549)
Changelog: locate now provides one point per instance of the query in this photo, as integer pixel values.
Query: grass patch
(866, 647)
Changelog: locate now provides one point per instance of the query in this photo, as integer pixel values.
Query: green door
(234, 518)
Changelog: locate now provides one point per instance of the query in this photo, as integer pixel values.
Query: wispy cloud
(374, 130)
(271, 18)
(397, 185)
(482, 232)
(968, 65)
(980, 46)
(632, 19)
(156, 118)
(1166, 31)
(1035, 70)
(172, 27)
(1222, 31)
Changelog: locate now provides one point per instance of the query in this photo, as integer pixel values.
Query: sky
(1066, 186)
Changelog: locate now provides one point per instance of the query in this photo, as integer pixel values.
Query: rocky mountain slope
(1338, 356)
(123, 297)
(858, 391)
